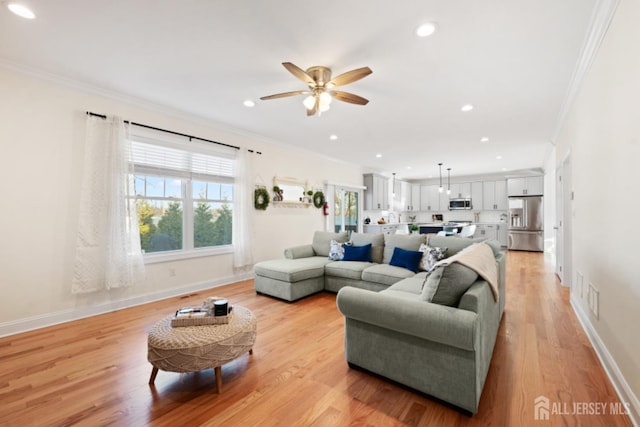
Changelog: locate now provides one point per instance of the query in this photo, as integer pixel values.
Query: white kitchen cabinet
(403, 197)
(430, 198)
(460, 190)
(476, 196)
(497, 232)
(486, 231)
(494, 195)
(503, 234)
(380, 228)
(526, 186)
(376, 196)
(415, 197)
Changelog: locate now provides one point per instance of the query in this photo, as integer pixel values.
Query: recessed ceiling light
(498, 157)
(333, 137)
(409, 168)
(426, 29)
(484, 139)
(504, 169)
(378, 155)
(21, 10)
(249, 103)
(466, 107)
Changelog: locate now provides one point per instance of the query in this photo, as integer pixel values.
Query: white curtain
(108, 253)
(243, 210)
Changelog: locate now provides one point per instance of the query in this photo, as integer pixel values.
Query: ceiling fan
(320, 83)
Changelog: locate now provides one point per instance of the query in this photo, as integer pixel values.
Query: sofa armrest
(304, 251)
(477, 298)
(433, 322)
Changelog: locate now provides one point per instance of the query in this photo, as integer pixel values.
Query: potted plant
(413, 228)
(277, 193)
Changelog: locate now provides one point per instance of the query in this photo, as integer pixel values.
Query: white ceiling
(512, 59)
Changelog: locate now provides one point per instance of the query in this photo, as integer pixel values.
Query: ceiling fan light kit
(319, 80)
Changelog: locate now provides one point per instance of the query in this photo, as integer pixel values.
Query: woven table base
(195, 348)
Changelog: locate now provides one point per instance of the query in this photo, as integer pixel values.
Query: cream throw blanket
(478, 257)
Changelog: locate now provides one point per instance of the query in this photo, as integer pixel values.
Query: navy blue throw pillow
(357, 253)
(407, 259)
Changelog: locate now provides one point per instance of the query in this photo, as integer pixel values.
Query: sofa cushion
(409, 242)
(385, 274)
(346, 269)
(322, 241)
(407, 259)
(377, 244)
(410, 286)
(447, 283)
(292, 270)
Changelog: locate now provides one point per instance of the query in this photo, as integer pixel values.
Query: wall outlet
(594, 300)
(172, 272)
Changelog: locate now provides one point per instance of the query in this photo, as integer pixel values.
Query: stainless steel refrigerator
(526, 223)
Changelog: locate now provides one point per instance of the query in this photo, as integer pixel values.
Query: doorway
(347, 210)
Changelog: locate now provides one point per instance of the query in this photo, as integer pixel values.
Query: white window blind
(182, 162)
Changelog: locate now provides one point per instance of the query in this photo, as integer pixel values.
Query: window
(184, 195)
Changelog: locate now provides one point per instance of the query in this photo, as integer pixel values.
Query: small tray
(200, 321)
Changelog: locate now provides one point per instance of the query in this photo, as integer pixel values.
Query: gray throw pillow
(446, 284)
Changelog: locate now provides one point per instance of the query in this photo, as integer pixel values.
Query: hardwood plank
(94, 371)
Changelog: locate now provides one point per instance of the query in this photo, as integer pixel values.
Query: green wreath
(261, 198)
(318, 199)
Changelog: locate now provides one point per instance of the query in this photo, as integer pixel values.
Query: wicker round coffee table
(195, 348)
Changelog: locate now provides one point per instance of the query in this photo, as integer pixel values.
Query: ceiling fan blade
(299, 73)
(348, 97)
(349, 77)
(285, 94)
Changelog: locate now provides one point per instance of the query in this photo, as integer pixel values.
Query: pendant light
(448, 180)
(393, 185)
(441, 188)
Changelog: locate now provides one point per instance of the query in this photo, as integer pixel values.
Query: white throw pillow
(336, 251)
(431, 256)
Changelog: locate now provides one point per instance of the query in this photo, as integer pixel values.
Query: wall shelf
(291, 204)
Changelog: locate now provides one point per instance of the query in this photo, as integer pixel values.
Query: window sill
(158, 257)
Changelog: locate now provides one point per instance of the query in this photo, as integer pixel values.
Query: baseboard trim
(608, 363)
(50, 319)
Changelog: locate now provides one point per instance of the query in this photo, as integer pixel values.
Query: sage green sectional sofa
(441, 349)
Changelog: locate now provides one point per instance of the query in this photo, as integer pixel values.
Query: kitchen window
(184, 197)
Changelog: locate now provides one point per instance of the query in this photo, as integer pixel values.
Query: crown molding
(174, 113)
(601, 17)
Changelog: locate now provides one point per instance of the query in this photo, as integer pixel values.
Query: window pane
(226, 192)
(155, 186)
(160, 225)
(199, 190)
(173, 188)
(139, 185)
(212, 224)
(213, 191)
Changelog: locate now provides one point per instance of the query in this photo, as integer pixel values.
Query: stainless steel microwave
(458, 204)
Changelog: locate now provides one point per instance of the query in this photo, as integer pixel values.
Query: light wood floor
(94, 372)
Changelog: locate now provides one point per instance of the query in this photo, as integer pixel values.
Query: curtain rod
(103, 116)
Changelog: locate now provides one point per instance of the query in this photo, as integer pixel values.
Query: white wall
(602, 133)
(41, 128)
